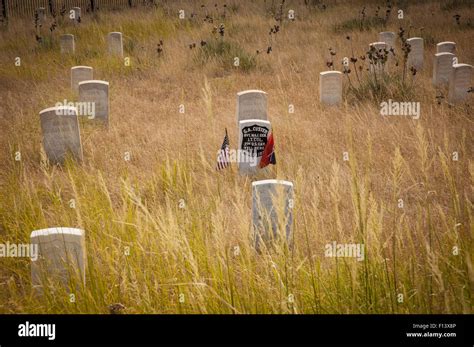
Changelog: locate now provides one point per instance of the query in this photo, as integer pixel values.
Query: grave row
(60, 124)
(67, 44)
(61, 131)
(446, 70)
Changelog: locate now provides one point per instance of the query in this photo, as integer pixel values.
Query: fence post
(51, 8)
(92, 5)
(129, 3)
(4, 10)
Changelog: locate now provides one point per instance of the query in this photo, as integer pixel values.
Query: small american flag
(223, 156)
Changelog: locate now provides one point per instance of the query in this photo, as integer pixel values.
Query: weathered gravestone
(61, 134)
(459, 82)
(330, 87)
(389, 38)
(377, 64)
(272, 215)
(251, 104)
(61, 258)
(253, 135)
(96, 92)
(442, 66)
(80, 74)
(415, 57)
(115, 44)
(446, 46)
(76, 14)
(41, 15)
(66, 43)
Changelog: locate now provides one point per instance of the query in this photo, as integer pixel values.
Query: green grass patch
(225, 53)
(360, 24)
(385, 86)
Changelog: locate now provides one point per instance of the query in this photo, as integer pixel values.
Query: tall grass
(166, 233)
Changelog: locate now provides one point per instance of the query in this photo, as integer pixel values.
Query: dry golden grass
(189, 253)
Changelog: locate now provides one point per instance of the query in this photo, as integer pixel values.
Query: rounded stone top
(60, 109)
(444, 53)
(57, 230)
(446, 43)
(251, 91)
(94, 81)
(457, 66)
(324, 73)
(272, 181)
(81, 67)
(261, 121)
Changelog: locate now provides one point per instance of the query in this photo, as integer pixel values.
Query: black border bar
(243, 329)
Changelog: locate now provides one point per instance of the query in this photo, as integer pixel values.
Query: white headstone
(442, 67)
(389, 38)
(459, 82)
(251, 104)
(67, 44)
(96, 92)
(115, 44)
(415, 57)
(61, 134)
(61, 257)
(330, 87)
(77, 13)
(80, 74)
(253, 135)
(380, 48)
(446, 46)
(272, 216)
(41, 13)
